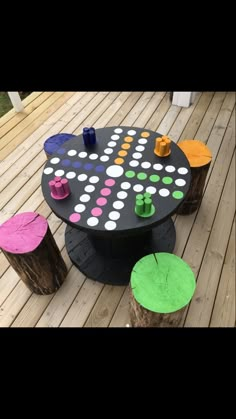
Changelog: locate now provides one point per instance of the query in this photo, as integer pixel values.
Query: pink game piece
(59, 188)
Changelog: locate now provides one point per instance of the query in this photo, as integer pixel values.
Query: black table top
(104, 180)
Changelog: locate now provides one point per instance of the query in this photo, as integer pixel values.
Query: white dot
(138, 188)
(118, 130)
(111, 144)
(115, 137)
(122, 195)
(125, 185)
(164, 192)
(110, 225)
(93, 156)
(89, 188)
(142, 141)
(115, 171)
(59, 173)
(72, 153)
(85, 198)
(94, 179)
(108, 151)
(82, 177)
(83, 154)
(182, 171)
(79, 208)
(139, 148)
(70, 175)
(118, 205)
(169, 169)
(131, 132)
(133, 163)
(104, 158)
(48, 171)
(157, 166)
(146, 165)
(92, 221)
(114, 215)
(180, 182)
(55, 160)
(137, 155)
(151, 189)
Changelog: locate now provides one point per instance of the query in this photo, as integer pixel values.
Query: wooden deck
(205, 239)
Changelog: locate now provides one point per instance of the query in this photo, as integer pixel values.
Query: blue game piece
(86, 136)
(92, 136)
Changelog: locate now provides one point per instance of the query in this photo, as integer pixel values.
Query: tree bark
(194, 196)
(43, 270)
(141, 317)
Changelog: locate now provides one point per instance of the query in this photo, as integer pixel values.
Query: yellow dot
(122, 153)
(129, 139)
(119, 161)
(125, 146)
(145, 134)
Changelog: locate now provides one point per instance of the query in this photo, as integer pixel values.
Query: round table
(105, 237)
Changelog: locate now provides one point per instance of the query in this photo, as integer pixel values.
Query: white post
(182, 99)
(16, 101)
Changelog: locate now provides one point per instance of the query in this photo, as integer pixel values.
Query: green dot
(154, 178)
(147, 195)
(139, 196)
(167, 180)
(130, 173)
(177, 194)
(142, 176)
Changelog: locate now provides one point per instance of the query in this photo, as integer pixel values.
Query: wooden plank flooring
(205, 239)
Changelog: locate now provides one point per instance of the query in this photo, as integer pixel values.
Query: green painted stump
(161, 285)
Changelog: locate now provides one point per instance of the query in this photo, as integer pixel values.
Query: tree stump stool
(52, 144)
(161, 285)
(199, 157)
(28, 244)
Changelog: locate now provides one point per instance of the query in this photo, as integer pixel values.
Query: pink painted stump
(29, 246)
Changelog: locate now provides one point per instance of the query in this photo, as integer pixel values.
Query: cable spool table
(109, 181)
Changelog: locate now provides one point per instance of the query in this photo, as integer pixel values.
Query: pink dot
(101, 201)
(74, 217)
(105, 191)
(96, 212)
(110, 182)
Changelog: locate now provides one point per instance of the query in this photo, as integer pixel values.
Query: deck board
(81, 302)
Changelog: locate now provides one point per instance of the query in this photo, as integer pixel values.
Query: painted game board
(105, 180)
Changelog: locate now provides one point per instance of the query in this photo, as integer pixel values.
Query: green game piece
(154, 178)
(139, 196)
(142, 176)
(147, 195)
(177, 194)
(167, 180)
(147, 205)
(143, 206)
(130, 173)
(139, 206)
(162, 282)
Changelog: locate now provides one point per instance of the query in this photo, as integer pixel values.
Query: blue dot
(61, 151)
(99, 168)
(76, 164)
(88, 166)
(66, 162)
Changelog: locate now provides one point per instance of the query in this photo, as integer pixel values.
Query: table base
(110, 260)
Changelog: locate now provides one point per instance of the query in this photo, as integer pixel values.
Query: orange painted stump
(199, 157)
(29, 246)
